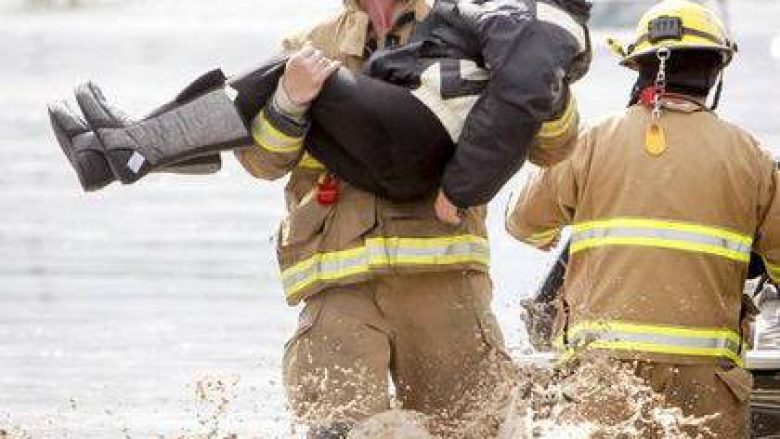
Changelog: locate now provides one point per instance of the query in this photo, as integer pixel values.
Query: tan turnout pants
(434, 333)
(702, 390)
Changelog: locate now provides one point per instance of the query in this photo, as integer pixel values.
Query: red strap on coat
(328, 190)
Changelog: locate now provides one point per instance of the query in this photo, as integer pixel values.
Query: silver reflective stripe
(586, 336)
(385, 252)
(664, 234)
(551, 14)
(325, 270)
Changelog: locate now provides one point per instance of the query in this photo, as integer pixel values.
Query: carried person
(442, 121)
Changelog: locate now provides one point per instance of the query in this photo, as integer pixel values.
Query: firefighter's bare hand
(306, 72)
(446, 211)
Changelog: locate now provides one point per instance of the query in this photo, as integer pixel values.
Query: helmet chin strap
(718, 93)
(381, 13)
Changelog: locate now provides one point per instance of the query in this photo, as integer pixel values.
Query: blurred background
(156, 309)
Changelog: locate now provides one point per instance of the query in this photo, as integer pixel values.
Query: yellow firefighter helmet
(677, 25)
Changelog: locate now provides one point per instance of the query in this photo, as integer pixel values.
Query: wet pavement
(113, 305)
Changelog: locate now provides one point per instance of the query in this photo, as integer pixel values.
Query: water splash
(594, 398)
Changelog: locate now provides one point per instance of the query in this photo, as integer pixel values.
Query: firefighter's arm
(535, 215)
(278, 133)
(538, 212)
(280, 128)
(556, 139)
(767, 243)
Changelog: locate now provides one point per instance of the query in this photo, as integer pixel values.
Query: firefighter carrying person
(389, 287)
(665, 203)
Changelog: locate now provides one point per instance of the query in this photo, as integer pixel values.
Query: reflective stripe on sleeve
(568, 121)
(543, 239)
(772, 270)
(661, 234)
(309, 162)
(271, 139)
(385, 252)
(671, 340)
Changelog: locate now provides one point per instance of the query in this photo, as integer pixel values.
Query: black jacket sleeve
(529, 61)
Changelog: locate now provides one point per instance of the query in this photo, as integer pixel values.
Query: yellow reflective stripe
(661, 234)
(385, 252)
(654, 242)
(309, 162)
(676, 331)
(319, 258)
(559, 127)
(666, 349)
(772, 270)
(672, 340)
(271, 139)
(323, 275)
(663, 224)
(543, 238)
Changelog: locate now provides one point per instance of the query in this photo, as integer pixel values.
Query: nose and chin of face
(381, 13)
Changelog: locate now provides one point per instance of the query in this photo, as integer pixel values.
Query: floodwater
(117, 309)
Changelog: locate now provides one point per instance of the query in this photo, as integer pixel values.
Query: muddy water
(117, 307)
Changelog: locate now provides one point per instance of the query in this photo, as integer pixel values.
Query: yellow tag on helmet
(655, 139)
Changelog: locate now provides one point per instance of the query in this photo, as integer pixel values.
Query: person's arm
(535, 216)
(278, 132)
(280, 129)
(556, 139)
(528, 57)
(538, 212)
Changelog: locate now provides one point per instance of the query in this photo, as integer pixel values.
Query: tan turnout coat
(660, 243)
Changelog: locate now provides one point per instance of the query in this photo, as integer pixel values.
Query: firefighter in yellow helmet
(665, 202)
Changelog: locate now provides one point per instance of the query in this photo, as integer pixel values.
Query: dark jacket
(533, 51)
(381, 139)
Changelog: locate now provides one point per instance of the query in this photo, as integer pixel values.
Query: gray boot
(81, 147)
(85, 152)
(200, 123)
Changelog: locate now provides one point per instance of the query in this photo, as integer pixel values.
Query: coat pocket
(304, 222)
(306, 321)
